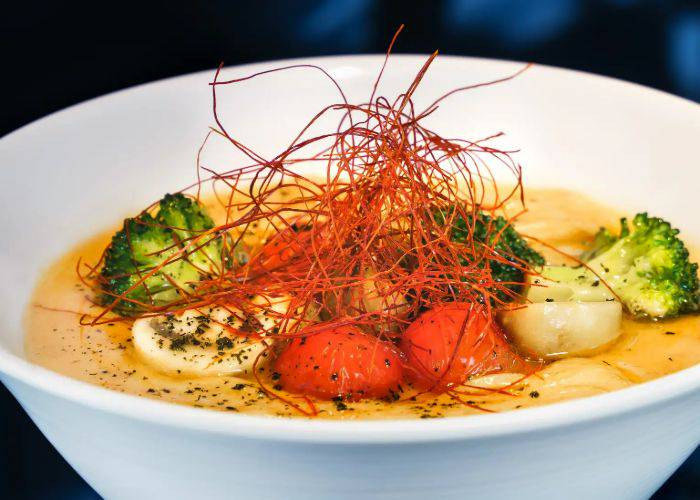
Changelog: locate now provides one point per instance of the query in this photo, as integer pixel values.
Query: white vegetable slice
(562, 329)
(196, 342)
(562, 284)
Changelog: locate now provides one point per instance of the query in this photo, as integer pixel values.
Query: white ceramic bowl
(80, 170)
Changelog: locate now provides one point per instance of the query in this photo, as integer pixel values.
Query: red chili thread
(370, 222)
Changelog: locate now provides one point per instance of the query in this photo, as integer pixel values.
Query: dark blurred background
(59, 53)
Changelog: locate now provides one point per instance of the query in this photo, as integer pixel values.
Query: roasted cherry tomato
(340, 362)
(450, 342)
(283, 247)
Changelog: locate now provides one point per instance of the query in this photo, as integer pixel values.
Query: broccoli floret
(647, 267)
(145, 242)
(501, 236)
(603, 240)
(188, 220)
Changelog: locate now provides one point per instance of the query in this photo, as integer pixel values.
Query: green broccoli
(188, 220)
(145, 242)
(646, 266)
(604, 239)
(501, 236)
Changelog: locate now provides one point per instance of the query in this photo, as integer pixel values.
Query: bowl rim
(587, 410)
(659, 391)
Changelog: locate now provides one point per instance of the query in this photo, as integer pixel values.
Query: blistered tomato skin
(450, 342)
(341, 362)
(283, 248)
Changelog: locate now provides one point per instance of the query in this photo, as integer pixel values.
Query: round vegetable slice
(341, 362)
(450, 342)
(221, 340)
(561, 329)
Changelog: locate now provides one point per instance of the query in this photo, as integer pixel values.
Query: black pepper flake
(250, 324)
(534, 394)
(223, 343)
(179, 343)
(339, 404)
(670, 333)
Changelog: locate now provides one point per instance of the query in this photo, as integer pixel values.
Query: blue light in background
(514, 23)
(515, 27)
(344, 25)
(684, 53)
(623, 3)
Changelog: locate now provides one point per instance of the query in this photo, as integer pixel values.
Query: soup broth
(103, 355)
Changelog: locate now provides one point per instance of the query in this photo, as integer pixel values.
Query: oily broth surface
(103, 355)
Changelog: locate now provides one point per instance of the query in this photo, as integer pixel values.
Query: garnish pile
(392, 263)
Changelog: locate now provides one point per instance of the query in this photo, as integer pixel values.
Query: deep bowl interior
(83, 169)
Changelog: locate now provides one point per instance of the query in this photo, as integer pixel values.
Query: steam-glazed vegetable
(447, 344)
(647, 266)
(342, 363)
(153, 261)
(563, 283)
(562, 329)
(498, 237)
(188, 220)
(208, 341)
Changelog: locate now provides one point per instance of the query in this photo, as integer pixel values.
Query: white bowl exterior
(617, 141)
(620, 457)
